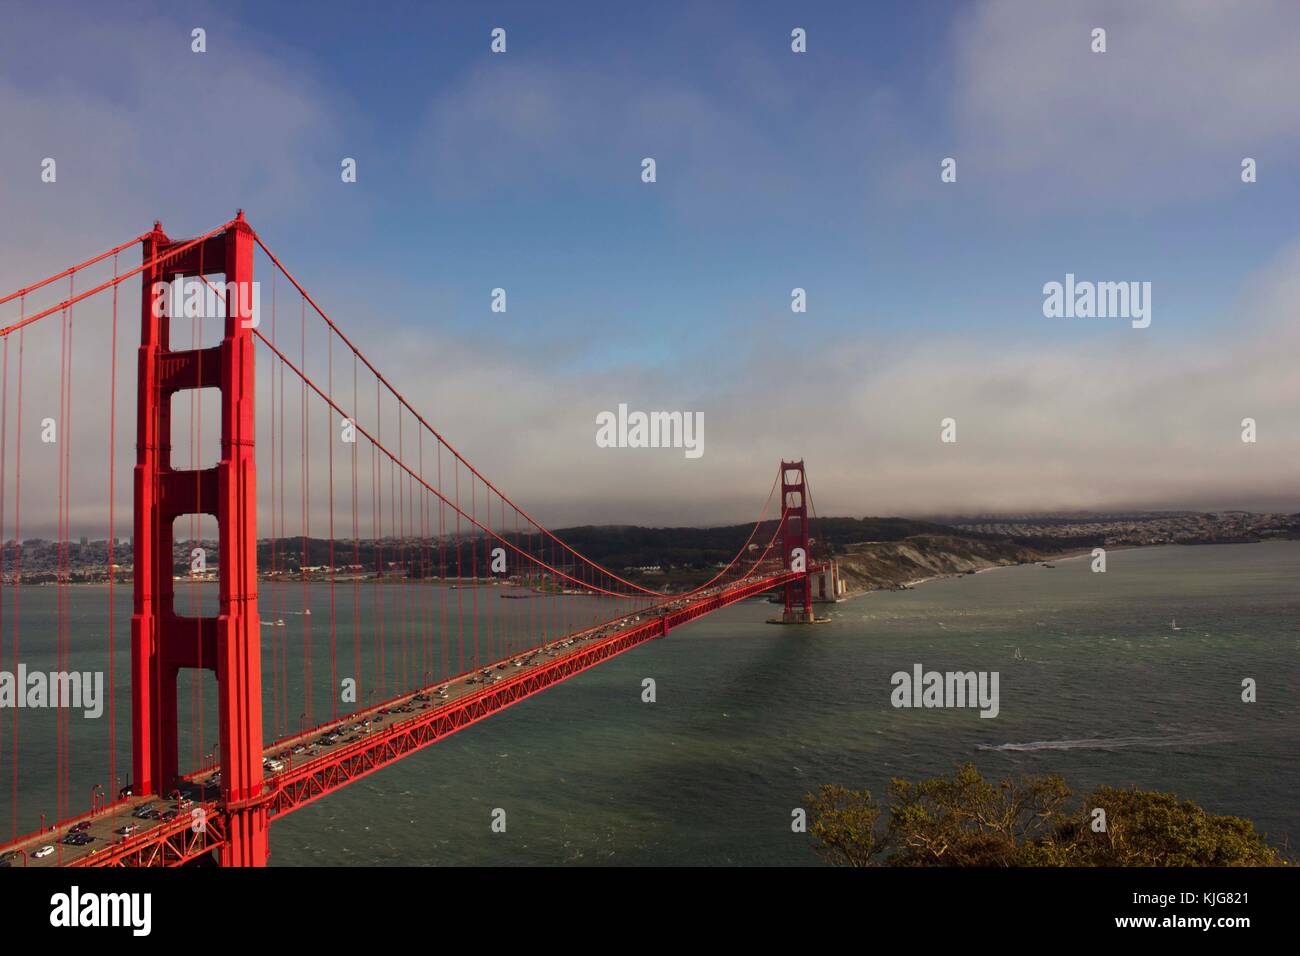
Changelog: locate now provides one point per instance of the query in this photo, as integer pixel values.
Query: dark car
(78, 827)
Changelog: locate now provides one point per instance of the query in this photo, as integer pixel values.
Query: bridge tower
(794, 535)
(162, 642)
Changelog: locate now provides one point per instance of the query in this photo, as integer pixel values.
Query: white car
(43, 851)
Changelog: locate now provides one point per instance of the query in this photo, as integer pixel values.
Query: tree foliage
(964, 820)
(844, 825)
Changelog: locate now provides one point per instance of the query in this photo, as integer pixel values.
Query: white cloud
(142, 128)
(518, 130)
(1129, 418)
(1183, 93)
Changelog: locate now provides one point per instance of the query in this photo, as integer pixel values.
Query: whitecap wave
(1108, 743)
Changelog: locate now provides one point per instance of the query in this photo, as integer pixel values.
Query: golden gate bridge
(400, 666)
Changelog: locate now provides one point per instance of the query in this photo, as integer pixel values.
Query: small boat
(1173, 625)
(307, 611)
(279, 622)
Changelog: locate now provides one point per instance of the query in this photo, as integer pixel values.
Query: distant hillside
(625, 547)
(878, 552)
(631, 547)
(886, 564)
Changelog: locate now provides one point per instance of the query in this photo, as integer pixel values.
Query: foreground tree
(1156, 829)
(965, 820)
(844, 825)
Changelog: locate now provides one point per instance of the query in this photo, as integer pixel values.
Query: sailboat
(1019, 656)
(1173, 625)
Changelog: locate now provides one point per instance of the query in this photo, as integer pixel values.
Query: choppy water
(750, 717)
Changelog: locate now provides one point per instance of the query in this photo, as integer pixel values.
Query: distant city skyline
(775, 171)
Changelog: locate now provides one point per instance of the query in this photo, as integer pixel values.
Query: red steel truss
(300, 786)
(177, 843)
(173, 844)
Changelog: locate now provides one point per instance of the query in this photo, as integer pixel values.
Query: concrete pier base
(798, 616)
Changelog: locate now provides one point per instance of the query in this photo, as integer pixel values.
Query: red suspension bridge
(429, 601)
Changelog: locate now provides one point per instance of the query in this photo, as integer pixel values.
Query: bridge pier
(162, 642)
(248, 842)
(794, 542)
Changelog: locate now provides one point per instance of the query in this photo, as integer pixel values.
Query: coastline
(1063, 556)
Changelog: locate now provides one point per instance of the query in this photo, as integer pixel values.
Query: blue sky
(775, 170)
(580, 232)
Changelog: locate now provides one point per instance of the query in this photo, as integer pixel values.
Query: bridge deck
(362, 742)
